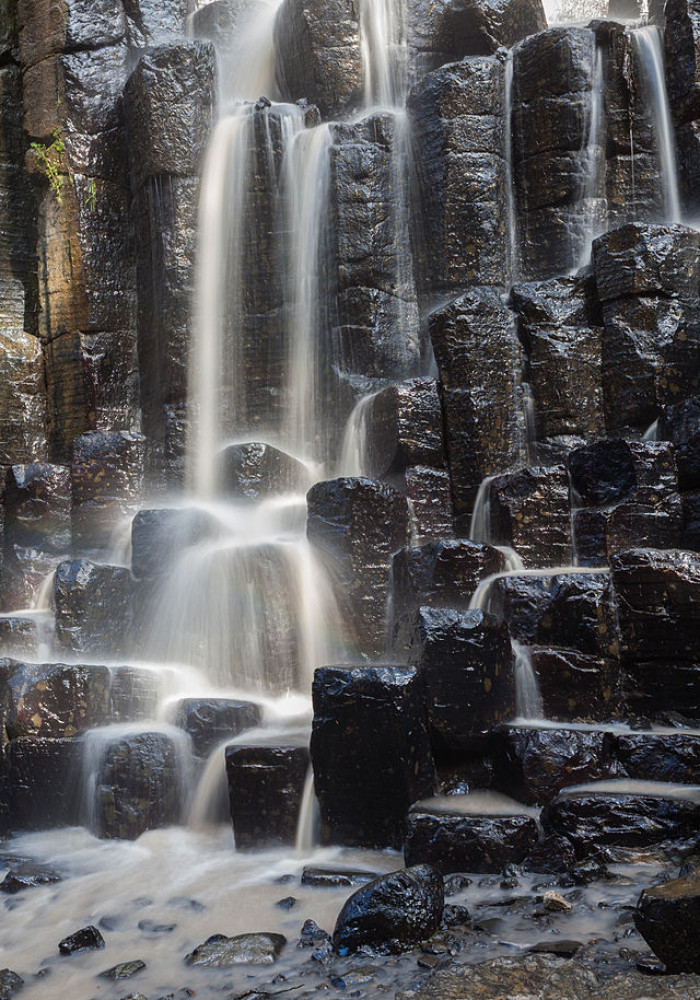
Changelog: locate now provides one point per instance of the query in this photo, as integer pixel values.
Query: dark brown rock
(457, 122)
(210, 721)
(43, 775)
(53, 699)
(466, 662)
(404, 429)
(680, 424)
(254, 471)
(653, 756)
(458, 839)
(356, 525)
(106, 479)
(370, 752)
(441, 574)
(46, 29)
(667, 917)
(265, 787)
(392, 914)
(577, 686)
(94, 610)
(530, 512)
(429, 501)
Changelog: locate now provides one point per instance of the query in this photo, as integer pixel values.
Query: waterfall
(354, 449)
(382, 43)
(305, 185)
(528, 700)
(649, 47)
(513, 263)
(480, 527)
(593, 193)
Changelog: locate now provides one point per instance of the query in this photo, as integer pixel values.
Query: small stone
(456, 916)
(456, 883)
(313, 936)
(555, 903)
(10, 983)
(563, 949)
(27, 876)
(152, 927)
(428, 961)
(287, 903)
(86, 937)
(221, 952)
(185, 903)
(336, 876)
(354, 977)
(125, 970)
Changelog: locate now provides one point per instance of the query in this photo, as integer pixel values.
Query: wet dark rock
(265, 786)
(447, 31)
(563, 949)
(125, 970)
(106, 478)
(160, 537)
(430, 498)
(542, 976)
(639, 259)
(479, 357)
(404, 428)
(336, 876)
(441, 574)
(93, 607)
(44, 30)
(313, 936)
(287, 903)
(530, 512)
(354, 977)
(533, 765)
(657, 609)
(138, 786)
(579, 615)
(552, 74)
(22, 400)
(456, 883)
(521, 602)
(10, 983)
(254, 471)
(370, 752)
(168, 102)
(630, 816)
(603, 473)
(455, 916)
(455, 836)
(318, 54)
(42, 775)
(356, 525)
(577, 686)
(393, 913)
(154, 22)
(86, 937)
(27, 876)
(134, 694)
(680, 424)
(54, 699)
(223, 952)
(690, 503)
(376, 322)
(457, 123)
(209, 721)
(667, 917)
(20, 636)
(563, 344)
(466, 663)
(673, 757)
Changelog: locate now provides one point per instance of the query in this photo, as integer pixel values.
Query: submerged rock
(393, 913)
(28, 875)
(87, 937)
(221, 952)
(668, 918)
(125, 970)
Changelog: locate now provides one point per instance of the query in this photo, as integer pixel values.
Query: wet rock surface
(667, 918)
(85, 938)
(210, 721)
(251, 472)
(94, 610)
(265, 786)
(219, 951)
(393, 913)
(365, 717)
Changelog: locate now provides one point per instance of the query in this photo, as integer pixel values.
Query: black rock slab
(668, 917)
(265, 786)
(458, 833)
(392, 914)
(441, 573)
(94, 611)
(86, 938)
(209, 721)
(253, 471)
(370, 752)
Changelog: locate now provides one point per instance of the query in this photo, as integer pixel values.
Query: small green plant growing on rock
(50, 159)
(91, 199)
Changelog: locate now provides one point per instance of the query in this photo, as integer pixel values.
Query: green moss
(50, 158)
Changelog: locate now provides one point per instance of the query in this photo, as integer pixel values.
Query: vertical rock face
(265, 786)
(530, 512)
(168, 103)
(457, 118)
(552, 77)
(682, 44)
(479, 358)
(377, 314)
(356, 525)
(106, 480)
(404, 428)
(319, 55)
(370, 752)
(646, 278)
(93, 608)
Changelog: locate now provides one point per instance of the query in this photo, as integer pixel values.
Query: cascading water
(649, 46)
(593, 195)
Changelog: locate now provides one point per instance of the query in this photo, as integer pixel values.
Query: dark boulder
(334, 877)
(106, 480)
(94, 609)
(462, 833)
(625, 815)
(466, 663)
(124, 970)
(668, 917)
(404, 428)
(210, 721)
(580, 615)
(356, 525)
(392, 914)
(533, 764)
(254, 471)
(654, 756)
(521, 602)
(27, 875)
(160, 537)
(154, 22)
(10, 983)
(370, 752)
(86, 938)
(265, 787)
(221, 952)
(54, 699)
